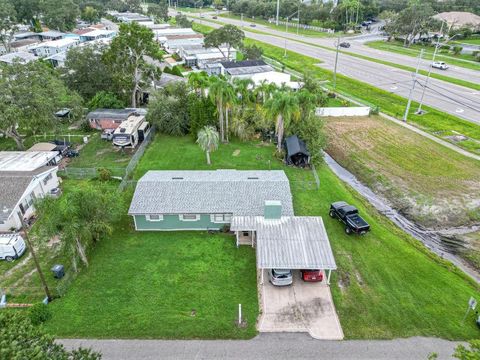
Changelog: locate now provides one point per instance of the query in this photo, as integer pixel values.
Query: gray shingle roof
(220, 191)
(121, 114)
(293, 242)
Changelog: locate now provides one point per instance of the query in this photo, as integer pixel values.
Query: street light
(286, 31)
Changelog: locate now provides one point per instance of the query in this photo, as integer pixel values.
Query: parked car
(280, 277)
(348, 214)
(61, 142)
(366, 23)
(12, 246)
(214, 17)
(440, 65)
(253, 25)
(345, 44)
(312, 275)
(107, 134)
(72, 153)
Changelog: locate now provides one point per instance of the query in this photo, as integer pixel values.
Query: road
(452, 99)
(274, 346)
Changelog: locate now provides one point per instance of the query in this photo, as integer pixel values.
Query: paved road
(453, 99)
(276, 346)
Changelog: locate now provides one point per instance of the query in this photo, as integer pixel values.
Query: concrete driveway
(301, 307)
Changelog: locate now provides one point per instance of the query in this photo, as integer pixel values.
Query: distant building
(108, 119)
(243, 69)
(49, 48)
(459, 19)
(21, 57)
(97, 34)
(24, 177)
(51, 35)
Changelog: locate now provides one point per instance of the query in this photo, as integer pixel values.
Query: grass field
(414, 50)
(435, 122)
(473, 41)
(428, 182)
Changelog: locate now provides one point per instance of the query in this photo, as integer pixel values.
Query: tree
(105, 100)
(221, 92)
(415, 20)
(208, 141)
(126, 57)
(90, 15)
(59, 14)
(159, 11)
(464, 353)
(182, 21)
(264, 91)
(201, 112)
(7, 24)
(26, 10)
(228, 35)
(30, 94)
(252, 52)
(198, 80)
(20, 339)
(168, 109)
(283, 107)
(133, 5)
(81, 218)
(86, 72)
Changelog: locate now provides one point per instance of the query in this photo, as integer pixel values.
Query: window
(154, 217)
(221, 218)
(47, 179)
(189, 217)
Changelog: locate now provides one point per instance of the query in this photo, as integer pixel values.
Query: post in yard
(239, 314)
(414, 81)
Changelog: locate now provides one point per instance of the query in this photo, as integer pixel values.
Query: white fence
(294, 25)
(343, 111)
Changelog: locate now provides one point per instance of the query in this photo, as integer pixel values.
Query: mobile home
(130, 132)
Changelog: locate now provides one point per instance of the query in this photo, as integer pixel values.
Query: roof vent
(253, 178)
(177, 178)
(122, 130)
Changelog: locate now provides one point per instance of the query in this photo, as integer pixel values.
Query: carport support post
(239, 314)
(261, 280)
(328, 276)
(236, 234)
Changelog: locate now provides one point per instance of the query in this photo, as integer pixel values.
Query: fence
(136, 158)
(292, 24)
(343, 111)
(88, 173)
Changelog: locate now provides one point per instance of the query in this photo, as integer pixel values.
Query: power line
(450, 98)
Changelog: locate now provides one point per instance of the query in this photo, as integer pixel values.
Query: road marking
(393, 87)
(459, 110)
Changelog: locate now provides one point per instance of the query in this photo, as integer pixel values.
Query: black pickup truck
(348, 214)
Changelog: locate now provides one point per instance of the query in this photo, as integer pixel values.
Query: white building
(24, 177)
(49, 48)
(97, 34)
(21, 57)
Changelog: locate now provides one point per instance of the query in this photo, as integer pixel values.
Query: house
(458, 19)
(57, 60)
(22, 57)
(27, 35)
(23, 44)
(51, 35)
(201, 57)
(24, 177)
(45, 146)
(277, 78)
(49, 48)
(97, 34)
(243, 69)
(256, 205)
(203, 200)
(108, 119)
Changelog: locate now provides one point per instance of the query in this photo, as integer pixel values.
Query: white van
(12, 246)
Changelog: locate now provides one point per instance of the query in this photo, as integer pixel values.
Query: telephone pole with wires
(335, 68)
(414, 81)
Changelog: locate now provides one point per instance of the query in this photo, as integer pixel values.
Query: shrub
(310, 130)
(39, 313)
(104, 174)
(105, 100)
(457, 49)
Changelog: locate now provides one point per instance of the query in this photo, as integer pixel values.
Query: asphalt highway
(452, 99)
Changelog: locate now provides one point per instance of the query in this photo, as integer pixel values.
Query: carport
(288, 242)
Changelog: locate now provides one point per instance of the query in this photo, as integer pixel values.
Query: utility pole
(241, 17)
(335, 68)
(414, 81)
(298, 17)
(34, 256)
(419, 110)
(278, 11)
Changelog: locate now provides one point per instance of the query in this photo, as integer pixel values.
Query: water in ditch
(441, 242)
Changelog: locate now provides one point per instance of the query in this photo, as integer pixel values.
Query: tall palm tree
(208, 140)
(198, 81)
(264, 90)
(243, 89)
(221, 92)
(283, 106)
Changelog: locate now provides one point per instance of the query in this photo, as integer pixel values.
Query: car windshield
(281, 273)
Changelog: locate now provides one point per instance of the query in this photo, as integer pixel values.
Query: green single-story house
(256, 206)
(205, 200)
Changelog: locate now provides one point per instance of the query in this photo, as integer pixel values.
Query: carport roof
(291, 242)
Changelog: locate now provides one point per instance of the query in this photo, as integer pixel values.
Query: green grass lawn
(293, 30)
(413, 50)
(473, 41)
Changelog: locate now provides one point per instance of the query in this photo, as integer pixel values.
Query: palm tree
(221, 92)
(198, 81)
(264, 90)
(283, 106)
(208, 140)
(243, 89)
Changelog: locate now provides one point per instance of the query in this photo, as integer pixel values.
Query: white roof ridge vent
(253, 178)
(177, 178)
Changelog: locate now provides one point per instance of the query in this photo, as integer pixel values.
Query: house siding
(173, 222)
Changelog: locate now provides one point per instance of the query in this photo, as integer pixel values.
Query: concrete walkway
(269, 346)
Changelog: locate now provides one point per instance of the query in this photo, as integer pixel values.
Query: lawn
(413, 50)
(473, 41)
(407, 291)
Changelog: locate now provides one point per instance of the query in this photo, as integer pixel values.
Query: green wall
(172, 222)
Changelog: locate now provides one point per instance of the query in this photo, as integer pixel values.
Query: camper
(12, 246)
(129, 132)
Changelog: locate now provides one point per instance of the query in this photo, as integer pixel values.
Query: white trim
(212, 218)
(135, 222)
(181, 217)
(148, 217)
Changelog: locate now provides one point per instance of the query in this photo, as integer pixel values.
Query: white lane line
(459, 110)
